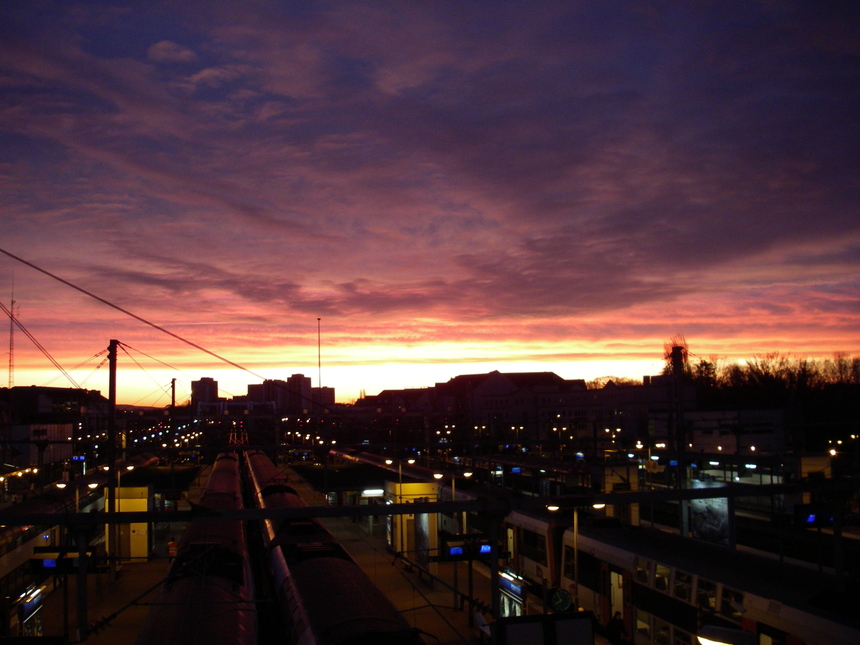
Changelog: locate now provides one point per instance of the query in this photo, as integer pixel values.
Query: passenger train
(208, 595)
(669, 589)
(325, 597)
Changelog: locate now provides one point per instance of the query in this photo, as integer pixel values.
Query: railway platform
(117, 609)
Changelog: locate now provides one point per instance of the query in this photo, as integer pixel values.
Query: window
(568, 562)
(683, 586)
(661, 632)
(643, 624)
(681, 638)
(661, 577)
(706, 595)
(534, 547)
(732, 605)
(643, 571)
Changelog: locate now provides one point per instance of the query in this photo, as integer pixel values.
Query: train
(670, 589)
(208, 595)
(323, 595)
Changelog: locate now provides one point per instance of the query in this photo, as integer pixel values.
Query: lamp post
(456, 521)
(400, 519)
(553, 508)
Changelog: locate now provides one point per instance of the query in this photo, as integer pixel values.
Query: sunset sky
(451, 187)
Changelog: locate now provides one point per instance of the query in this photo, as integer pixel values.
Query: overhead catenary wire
(126, 347)
(146, 322)
(89, 376)
(130, 314)
(142, 369)
(74, 368)
(47, 354)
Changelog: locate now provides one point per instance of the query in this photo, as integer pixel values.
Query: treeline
(820, 397)
(777, 370)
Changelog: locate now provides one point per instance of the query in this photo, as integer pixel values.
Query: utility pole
(172, 401)
(12, 341)
(110, 507)
(680, 439)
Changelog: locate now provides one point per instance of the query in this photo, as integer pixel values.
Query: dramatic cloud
(561, 185)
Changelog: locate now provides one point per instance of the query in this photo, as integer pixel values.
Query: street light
(400, 517)
(553, 508)
(439, 476)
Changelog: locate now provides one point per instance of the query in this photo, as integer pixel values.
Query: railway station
(476, 562)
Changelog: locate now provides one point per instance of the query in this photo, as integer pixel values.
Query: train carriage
(535, 545)
(327, 598)
(208, 596)
(668, 589)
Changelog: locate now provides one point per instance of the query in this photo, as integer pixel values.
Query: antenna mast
(12, 341)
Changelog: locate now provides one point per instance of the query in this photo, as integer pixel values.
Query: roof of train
(818, 593)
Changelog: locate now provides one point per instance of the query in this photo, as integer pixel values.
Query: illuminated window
(661, 577)
(706, 595)
(643, 571)
(643, 624)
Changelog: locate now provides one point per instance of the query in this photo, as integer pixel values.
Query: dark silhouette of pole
(82, 539)
(680, 435)
(112, 452)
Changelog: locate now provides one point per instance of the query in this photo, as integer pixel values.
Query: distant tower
(675, 352)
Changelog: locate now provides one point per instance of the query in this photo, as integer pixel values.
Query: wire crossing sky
(450, 187)
(127, 313)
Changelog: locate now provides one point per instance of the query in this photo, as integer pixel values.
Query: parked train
(325, 597)
(668, 589)
(208, 595)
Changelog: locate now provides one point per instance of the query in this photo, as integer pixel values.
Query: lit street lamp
(439, 476)
(554, 508)
(400, 517)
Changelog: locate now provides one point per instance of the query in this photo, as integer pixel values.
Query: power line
(47, 354)
(152, 324)
(132, 315)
